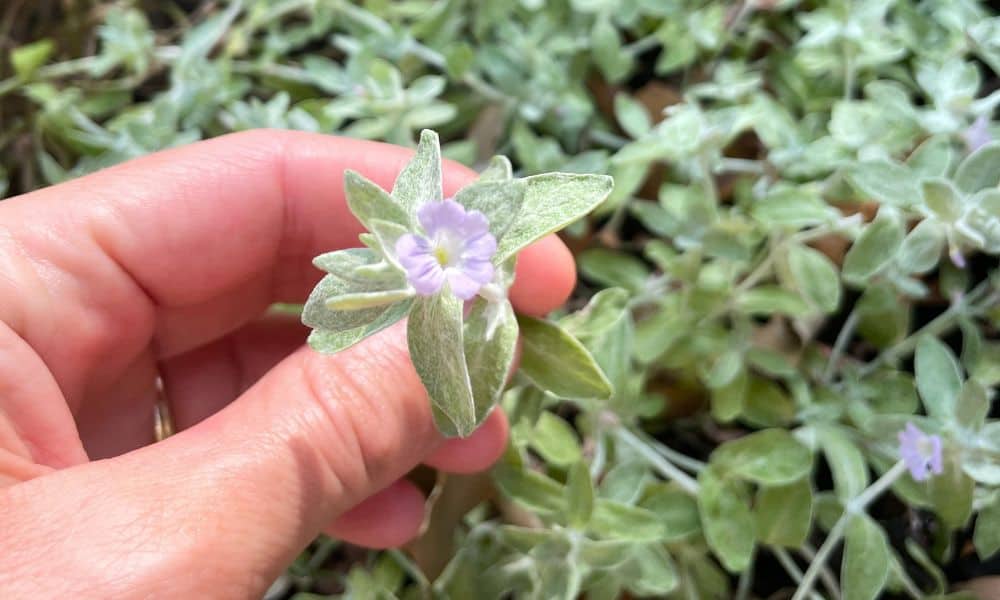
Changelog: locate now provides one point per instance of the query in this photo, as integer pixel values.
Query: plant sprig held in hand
(447, 264)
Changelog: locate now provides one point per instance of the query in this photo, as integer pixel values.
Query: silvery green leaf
(342, 281)
(489, 358)
(987, 535)
(980, 170)
(726, 520)
(922, 247)
(674, 507)
(345, 263)
(579, 495)
(865, 568)
(632, 115)
(876, 247)
(613, 61)
(939, 378)
(331, 342)
(356, 301)
(769, 457)
(981, 457)
(932, 158)
(625, 481)
(499, 169)
(783, 513)
(551, 202)
(815, 276)
(982, 220)
(850, 471)
(624, 522)
(558, 363)
(613, 269)
(499, 200)
(973, 406)
(657, 575)
(368, 201)
(769, 300)
(434, 335)
(530, 488)
(942, 198)
(555, 441)
(799, 206)
(420, 180)
(951, 491)
(386, 234)
(884, 181)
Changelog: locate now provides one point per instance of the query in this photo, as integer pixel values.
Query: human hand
(166, 265)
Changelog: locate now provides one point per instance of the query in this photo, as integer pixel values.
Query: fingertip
(388, 519)
(546, 274)
(475, 453)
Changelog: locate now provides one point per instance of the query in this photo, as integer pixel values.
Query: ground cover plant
(792, 289)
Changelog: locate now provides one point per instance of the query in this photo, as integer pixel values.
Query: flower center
(442, 255)
(925, 447)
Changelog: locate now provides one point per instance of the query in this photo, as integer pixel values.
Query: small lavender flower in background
(978, 134)
(458, 248)
(920, 452)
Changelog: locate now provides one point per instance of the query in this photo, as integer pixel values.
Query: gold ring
(163, 422)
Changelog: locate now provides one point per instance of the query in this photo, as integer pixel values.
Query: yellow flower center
(441, 254)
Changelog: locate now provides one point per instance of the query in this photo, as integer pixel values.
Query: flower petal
(461, 284)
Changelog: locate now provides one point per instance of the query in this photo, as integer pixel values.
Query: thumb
(221, 508)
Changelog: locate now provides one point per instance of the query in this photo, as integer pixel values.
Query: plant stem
(826, 575)
(940, 325)
(746, 579)
(681, 460)
(845, 335)
(793, 570)
(853, 507)
(659, 462)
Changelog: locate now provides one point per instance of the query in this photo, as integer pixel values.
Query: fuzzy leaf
(922, 247)
(368, 201)
(632, 116)
(951, 491)
(551, 202)
(489, 361)
(987, 535)
(727, 521)
(769, 457)
(555, 441)
(980, 170)
(865, 569)
(558, 363)
(330, 342)
(877, 245)
(815, 276)
(939, 378)
(420, 180)
(435, 339)
(500, 201)
(783, 513)
(885, 182)
(343, 282)
(579, 495)
(850, 471)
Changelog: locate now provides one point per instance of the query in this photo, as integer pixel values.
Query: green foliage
(798, 257)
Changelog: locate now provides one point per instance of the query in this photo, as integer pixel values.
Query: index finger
(188, 244)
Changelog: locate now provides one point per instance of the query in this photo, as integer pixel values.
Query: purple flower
(920, 452)
(458, 248)
(978, 134)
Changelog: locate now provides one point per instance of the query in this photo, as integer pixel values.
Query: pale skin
(167, 264)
